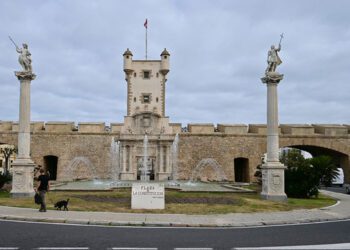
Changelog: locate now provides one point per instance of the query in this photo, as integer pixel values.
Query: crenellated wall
(192, 128)
(83, 149)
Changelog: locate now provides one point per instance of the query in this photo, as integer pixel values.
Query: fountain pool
(186, 186)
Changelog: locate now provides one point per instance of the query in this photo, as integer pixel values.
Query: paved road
(35, 235)
(336, 189)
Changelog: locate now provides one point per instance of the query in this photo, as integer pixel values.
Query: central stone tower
(146, 82)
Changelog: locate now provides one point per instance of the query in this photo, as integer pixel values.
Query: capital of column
(272, 78)
(25, 75)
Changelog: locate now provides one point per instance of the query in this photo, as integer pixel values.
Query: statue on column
(24, 58)
(273, 59)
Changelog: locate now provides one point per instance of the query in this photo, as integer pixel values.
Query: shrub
(304, 176)
(4, 178)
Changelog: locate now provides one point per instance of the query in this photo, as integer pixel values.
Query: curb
(167, 224)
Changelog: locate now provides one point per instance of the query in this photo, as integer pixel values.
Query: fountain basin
(184, 186)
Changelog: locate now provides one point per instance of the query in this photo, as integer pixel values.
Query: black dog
(60, 204)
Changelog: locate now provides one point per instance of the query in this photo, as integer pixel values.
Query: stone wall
(222, 148)
(194, 128)
(80, 156)
(87, 146)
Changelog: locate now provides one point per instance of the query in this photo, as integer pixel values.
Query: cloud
(218, 55)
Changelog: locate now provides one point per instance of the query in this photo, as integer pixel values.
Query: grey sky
(218, 55)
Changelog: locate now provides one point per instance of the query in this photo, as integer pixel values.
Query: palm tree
(325, 169)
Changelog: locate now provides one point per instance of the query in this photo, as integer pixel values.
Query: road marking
(8, 248)
(193, 248)
(63, 248)
(132, 248)
(326, 246)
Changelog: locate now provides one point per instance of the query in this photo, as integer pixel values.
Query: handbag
(37, 198)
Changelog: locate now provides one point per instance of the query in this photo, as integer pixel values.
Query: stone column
(124, 159)
(272, 169)
(23, 166)
(167, 166)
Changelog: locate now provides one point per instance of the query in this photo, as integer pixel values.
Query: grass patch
(176, 202)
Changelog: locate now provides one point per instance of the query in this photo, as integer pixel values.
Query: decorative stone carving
(22, 180)
(25, 75)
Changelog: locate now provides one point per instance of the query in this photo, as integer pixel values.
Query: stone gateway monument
(23, 166)
(147, 147)
(146, 136)
(273, 169)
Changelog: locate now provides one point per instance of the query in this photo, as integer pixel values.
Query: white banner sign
(147, 196)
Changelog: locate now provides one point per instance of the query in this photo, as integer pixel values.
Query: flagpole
(146, 26)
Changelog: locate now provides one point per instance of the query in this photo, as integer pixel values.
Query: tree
(293, 158)
(325, 168)
(7, 151)
(300, 179)
(304, 176)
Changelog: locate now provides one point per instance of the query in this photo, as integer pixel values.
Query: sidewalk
(333, 213)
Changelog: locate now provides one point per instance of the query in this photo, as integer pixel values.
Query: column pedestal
(273, 181)
(273, 169)
(22, 179)
(23, 166)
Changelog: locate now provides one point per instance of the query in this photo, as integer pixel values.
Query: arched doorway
(241, 168)
(340, 159)
(50, 164)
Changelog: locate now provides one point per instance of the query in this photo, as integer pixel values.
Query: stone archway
(208, 169)
(339, 158)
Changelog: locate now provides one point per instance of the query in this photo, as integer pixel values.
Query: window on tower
(146, 74)
(146, 98)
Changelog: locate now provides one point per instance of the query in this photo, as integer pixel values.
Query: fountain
(82, 168)
(144, 169)
(115, 165)
(208, 162)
